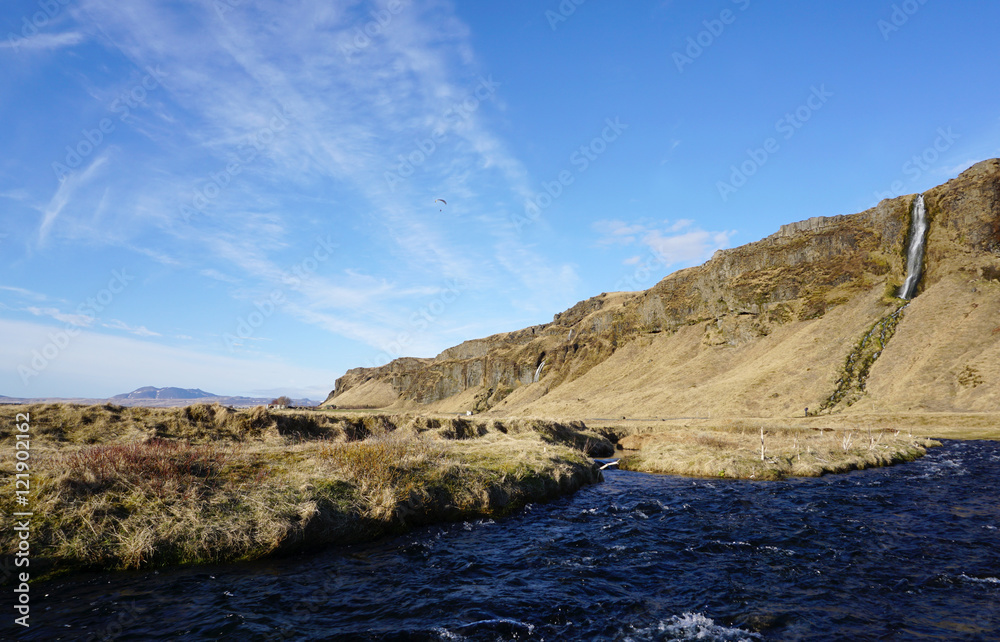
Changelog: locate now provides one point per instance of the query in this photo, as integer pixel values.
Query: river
(910, 552)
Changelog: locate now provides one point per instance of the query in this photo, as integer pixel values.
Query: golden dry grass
(684, 373)
(740, 451)
(937, 425)
(134, 488)
(944, 359)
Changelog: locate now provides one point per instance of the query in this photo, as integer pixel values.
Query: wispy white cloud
(409, 105)
(79, 320)
(67, 188)
(376, 334)
(547, 283)
(44, 41)
(140, 331)
(672, 242)
(18, 194)
(216, 275)
(156, 255)
(615, 232)
(27, 294)
(955, 170)
(687, 247)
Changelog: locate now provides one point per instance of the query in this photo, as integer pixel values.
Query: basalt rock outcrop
(766, 328)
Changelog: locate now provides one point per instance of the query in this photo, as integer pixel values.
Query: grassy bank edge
(116, 489)
(738, 451)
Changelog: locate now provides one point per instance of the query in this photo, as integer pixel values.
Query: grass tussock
(115, 493)
(159, 465)
(767, 454)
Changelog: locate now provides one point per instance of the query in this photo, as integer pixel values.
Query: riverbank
(128, 488)
(633, 557)
(741, 450)
(793, 446)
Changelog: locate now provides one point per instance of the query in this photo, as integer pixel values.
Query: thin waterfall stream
(915, 253)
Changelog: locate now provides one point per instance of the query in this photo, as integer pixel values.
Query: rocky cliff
(808, 316)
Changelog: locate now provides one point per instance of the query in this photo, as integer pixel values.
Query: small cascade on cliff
(538, 371)
(915, 253)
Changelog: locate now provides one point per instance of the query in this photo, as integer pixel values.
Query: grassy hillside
(687, 373)
(805, 318)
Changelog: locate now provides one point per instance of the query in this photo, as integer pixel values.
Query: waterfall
(915, 253)
(538, 372)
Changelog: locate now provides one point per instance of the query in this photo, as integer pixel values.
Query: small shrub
(369, 461)
(713, 442)
(379, 460)
(254, 422)
(199, 414)
(970, 377)
(813, 307)
(158, 465)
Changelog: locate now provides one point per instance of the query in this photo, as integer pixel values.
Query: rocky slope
(807, 317)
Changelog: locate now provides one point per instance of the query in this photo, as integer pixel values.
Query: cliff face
(494, 366)
(766, 328)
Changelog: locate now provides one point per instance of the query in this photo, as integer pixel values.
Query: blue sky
(239, 195)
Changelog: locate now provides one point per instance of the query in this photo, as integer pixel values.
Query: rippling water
(910, 552)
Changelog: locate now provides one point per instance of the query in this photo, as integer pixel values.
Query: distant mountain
(149, 392)
(152, 397)
(153, 401)
(171, 397)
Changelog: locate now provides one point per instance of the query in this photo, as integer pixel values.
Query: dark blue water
(909, 553)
